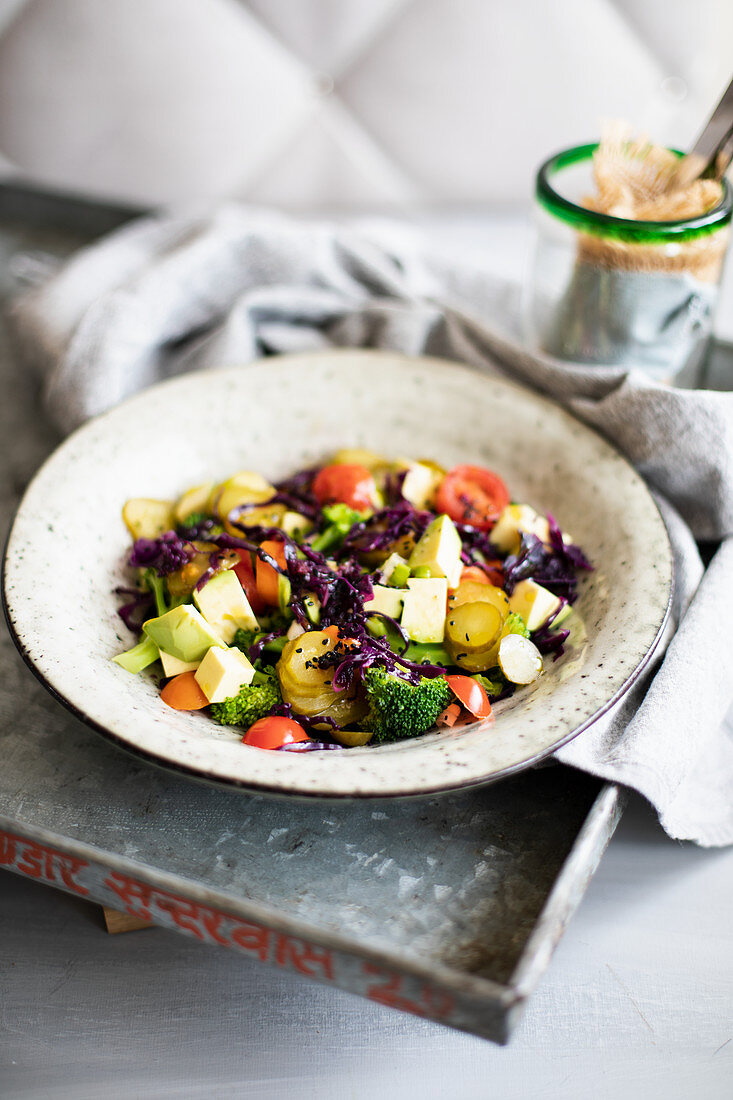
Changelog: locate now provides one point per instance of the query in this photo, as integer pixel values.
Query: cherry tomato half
(246, 576)
(471, 494)
(183, 693)
(346, 483)
(470, 694)
(274, 732)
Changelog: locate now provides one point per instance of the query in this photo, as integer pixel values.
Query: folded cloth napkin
(186, 291)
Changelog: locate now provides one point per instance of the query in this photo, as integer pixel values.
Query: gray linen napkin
(187, 291)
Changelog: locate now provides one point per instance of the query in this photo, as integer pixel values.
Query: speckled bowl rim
(276, 790)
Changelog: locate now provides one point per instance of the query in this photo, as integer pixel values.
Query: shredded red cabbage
(295, 492)
(549, 642)
(309, 746)
(554, 567)
(567, 551)
(255, 650)
(342, 594)
(214, 566)
(477, 544)
(165, 554)
(137, 610)
(384, 528)
(393, 486)
(312, 724)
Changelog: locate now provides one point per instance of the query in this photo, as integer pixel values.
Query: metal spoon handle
(712, 152)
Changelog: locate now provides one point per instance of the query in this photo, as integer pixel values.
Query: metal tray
(448, 908)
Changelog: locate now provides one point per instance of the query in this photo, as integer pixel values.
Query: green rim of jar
(623, 229)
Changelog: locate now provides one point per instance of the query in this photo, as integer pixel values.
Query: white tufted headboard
(342, 103)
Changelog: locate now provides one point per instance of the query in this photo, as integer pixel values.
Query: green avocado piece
(139, 657)
(439, 551)
(562, 615)
(183, 632)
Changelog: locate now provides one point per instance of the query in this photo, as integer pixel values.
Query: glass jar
(616, 292)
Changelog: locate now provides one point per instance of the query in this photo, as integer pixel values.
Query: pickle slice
(307, 687)
(475, 592)
(472, 628)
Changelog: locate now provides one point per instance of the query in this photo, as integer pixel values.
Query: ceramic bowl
(276, 416)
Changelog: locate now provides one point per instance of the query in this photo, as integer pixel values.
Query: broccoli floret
(274, 620)
(399, 709)
(515, 624)
(343, 515)
(199, 523)
(195, 518)
(244, 639)
(254, 701)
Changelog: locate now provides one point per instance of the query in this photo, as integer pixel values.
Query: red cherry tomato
(246, 577)
(347, 483)
(183, 693)
(470, 694)
(274, 732)
(471, 494)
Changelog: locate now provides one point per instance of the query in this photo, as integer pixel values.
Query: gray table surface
(638, 1001)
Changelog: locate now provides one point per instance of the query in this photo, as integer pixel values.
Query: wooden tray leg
(122, 922)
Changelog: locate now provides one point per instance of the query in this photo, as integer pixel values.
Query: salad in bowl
(361, 601)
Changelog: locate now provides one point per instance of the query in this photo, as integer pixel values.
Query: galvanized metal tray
(448, 908)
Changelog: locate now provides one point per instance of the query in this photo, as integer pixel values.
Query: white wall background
(342, 103)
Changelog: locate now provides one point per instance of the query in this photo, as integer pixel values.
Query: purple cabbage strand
(166, 554)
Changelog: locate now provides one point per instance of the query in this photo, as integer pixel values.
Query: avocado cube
(420, 484)
(439, 550)
(562, 614)
(224, 605)
(183, 632)
(534, 603)
(423, 614)
(514, 521)
(386, 600)
(173, 667)
(222, 673)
